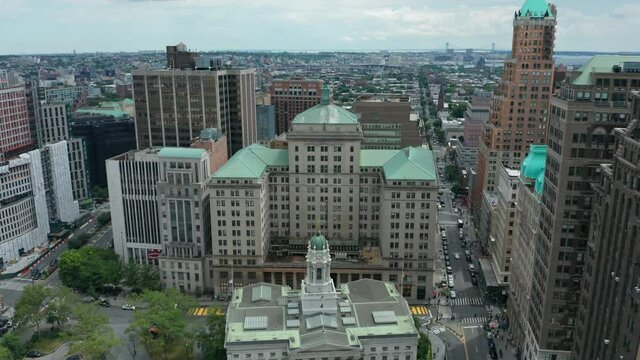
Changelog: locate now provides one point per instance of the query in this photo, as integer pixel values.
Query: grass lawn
(48, 341)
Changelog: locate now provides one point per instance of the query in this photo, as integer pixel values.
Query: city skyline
(372, 25)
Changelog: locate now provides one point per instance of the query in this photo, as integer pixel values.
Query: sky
(60, 26)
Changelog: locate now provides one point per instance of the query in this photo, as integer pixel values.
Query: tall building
(61, 202)
(266, 203)
(527, 216)
(475, 118)
(72, 96)
(386, 123)
(361, 319)
(293, 96)
(265, 123)
(15, 132)
(179, 57)
(591, 102)
(519, 107)
(610, 293)
(23, 206)
(160, 208)
(52, 125)
(172, 106)
(104, 137)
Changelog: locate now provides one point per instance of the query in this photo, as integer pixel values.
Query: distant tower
(446, 48)
(493, 47)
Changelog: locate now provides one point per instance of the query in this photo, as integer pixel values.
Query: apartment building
(61, 202)
(24, 222)
(519, 107)
(15, 133)
(610, 289)
(592, 101)
(527, 216)
(290, 97)
(172, 106)
(266, 203)
(386, 123)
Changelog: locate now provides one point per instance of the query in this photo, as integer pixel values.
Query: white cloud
(347, 38)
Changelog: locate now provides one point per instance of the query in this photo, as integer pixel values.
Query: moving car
(452, 294)
(104, 303)
(128, 307)
(456, 256)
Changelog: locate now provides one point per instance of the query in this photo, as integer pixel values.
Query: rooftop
(365, 308)
(536, 9)
(410, 163)
(533, 165)
(326, 114)
(109, 112)
(183, 153)
(603, 64)
(251, 161)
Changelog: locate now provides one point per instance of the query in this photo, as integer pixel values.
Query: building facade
(266, 125)
(15, 132)
(266, 202)
(61, 202)
(475, 118)
(361, 319)
(386, 123)
(172, 106)
(590, 104)
(160, 209)
(23, 206)
(104, 137)
(527, 216)
(611, 284)
(293, 96)
(519, 108)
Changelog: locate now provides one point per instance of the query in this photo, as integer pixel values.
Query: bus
(460, 223)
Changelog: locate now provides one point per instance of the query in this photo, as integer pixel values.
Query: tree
(93, 337)
(211, 338)
(141, 277)
(104, 218)
(60, 306)
(161, 321)
(79, 241)
(100, 192)
(13, 343)
(5, 354)
(452, 173)
(457, 110)
(27, 309)
(424, 347)
(89, 268)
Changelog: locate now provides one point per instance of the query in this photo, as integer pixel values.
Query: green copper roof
(183, 153)
(318, 242)
(535, 9)
(108, 112)
(410, 163)
(251, 161)
(601, 64)
(326, 114)
(533, 165)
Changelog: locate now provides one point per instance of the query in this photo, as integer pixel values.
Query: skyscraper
(610, 296)
(293, 96)
(591, 102)
(519, 106)
(172, 106)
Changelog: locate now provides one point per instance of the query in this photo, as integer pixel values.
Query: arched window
(319, 274)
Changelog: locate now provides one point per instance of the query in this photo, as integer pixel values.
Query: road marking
(471, 327)
(82, 227)
(464, 343)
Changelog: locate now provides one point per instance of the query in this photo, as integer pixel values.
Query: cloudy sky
(43, 26)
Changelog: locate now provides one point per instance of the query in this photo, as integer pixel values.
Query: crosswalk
(437, 328)
(475, 320)
(472, 301)
(16, 284)
(447, 222)
(203, 311)
(419, 310)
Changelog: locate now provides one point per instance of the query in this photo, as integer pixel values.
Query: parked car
(34, 354)
(449, 270)
(104, 303)
(446, 258)
(448, 263)
(474, 280)
(128, 307)
(452, 294)
(36, 274)
(451, 284)
(75, 357)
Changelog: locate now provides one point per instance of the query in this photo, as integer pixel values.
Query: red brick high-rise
(293, 96)
(519, 108)
(15, 132)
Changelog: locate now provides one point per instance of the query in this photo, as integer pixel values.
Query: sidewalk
(438, 348)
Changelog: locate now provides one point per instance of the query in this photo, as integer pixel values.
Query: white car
(451, 284)
(456, 256)
(128, 307)
(452, 294)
